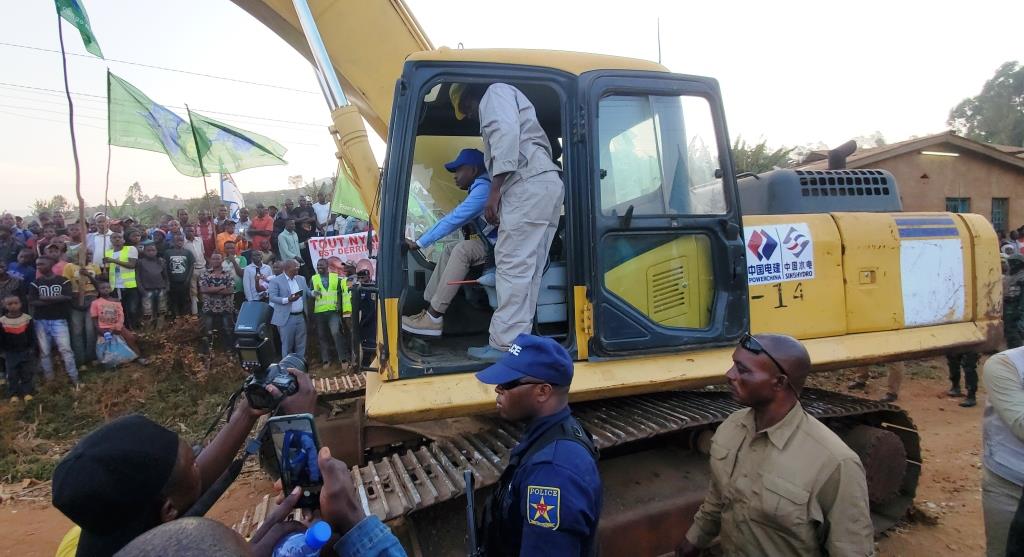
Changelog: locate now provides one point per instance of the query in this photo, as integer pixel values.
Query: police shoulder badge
(542, 506)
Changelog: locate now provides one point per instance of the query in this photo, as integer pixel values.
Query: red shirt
(109, 314)
(262, 223)
(208, 233)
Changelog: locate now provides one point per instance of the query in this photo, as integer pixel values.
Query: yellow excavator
(663, 258)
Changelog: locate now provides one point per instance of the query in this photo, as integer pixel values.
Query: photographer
(361, 535)
(132, 474)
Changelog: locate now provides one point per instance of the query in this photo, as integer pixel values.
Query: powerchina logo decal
(779, 252)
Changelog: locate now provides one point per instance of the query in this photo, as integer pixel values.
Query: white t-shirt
(293, 285)
(323, 212)
(119, 270)
(99, 244)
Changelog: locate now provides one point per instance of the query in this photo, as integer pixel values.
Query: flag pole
(199, 155)
(106, 188)
(82, 251)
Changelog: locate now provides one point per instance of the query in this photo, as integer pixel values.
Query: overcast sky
(791, 72)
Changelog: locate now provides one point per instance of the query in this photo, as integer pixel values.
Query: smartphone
(296, 446)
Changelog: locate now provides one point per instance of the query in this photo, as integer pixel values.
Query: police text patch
(542, 506)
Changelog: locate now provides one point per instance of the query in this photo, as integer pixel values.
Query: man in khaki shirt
(781, 482)
(525, 198)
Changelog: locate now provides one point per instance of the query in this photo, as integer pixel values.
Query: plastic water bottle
(107, 337)
(307, 544)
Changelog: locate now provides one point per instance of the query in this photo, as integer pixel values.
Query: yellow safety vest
(328, 300)
(127, 275)
(346, 298)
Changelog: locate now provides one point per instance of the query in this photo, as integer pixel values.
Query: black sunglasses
(751, 345)
(509, 385)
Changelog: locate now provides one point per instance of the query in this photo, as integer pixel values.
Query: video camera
(257, 355)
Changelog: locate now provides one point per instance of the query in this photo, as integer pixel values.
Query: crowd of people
(137, 277)
(780, 481)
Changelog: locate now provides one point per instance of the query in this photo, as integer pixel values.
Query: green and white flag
(346, 198)
(74, 12)
(225, 149)
(136, 122)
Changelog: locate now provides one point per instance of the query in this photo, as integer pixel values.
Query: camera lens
(293, 361)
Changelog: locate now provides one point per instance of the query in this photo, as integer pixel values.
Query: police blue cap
(472, 157)
(531, 356)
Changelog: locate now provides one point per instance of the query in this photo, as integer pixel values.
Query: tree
(759, 158)
(324, 185)
(135, 195)
(870, 141)
(56, 204)
(996, 115)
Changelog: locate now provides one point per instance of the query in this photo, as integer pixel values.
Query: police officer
(548, 500)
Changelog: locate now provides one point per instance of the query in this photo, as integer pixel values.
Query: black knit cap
(109, 480)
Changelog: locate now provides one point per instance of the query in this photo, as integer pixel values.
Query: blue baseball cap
(472, 157)
(530, 356)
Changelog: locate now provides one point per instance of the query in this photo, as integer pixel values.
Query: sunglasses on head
(750, 344)
(509, 385)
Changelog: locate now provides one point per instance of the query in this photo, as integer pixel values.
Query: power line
(166, 69)
(104, 118)
(104, 99)
(51, 120)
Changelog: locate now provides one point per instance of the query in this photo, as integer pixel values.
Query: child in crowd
(83, 292)
(18, 342)
(180, 266)
(10, 284)
(153, 284)
(55, 251)
(217, 288)
(49, 297)
(25, 267)
(108, 316)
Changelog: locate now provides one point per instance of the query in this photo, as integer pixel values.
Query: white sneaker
(423, 324)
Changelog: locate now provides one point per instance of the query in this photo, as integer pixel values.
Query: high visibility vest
(127, 275)
(328, 300)
(346, 298)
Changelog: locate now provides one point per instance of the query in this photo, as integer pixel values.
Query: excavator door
(667, 268)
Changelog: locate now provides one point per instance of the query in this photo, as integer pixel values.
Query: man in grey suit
(288, 293)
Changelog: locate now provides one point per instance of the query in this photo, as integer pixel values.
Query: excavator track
(412, 479)
(340, 386)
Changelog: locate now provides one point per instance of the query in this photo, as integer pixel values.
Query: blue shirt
(22, 234)
(556, 495)
(470, 209)
(27, 273)
(369, 538)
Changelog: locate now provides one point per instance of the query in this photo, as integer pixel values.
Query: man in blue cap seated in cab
(470, 175)
(548, 500)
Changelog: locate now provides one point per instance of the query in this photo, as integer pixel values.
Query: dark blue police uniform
(548, 501)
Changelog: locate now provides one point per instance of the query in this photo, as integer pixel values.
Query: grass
(175, 389)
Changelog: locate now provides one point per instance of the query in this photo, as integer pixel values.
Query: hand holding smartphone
(296, 447)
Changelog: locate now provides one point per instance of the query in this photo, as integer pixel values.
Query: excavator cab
(647, 257)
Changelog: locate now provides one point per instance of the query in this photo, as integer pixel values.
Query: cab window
(658, 156)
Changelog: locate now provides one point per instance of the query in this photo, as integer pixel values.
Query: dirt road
(949, 488)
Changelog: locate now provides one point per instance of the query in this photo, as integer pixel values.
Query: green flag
(346, 198)
(74, 12)
(135, 121)
(226, 149)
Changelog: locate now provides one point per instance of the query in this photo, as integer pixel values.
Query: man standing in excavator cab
(526, 195)
(470, 174)
(782, 483)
